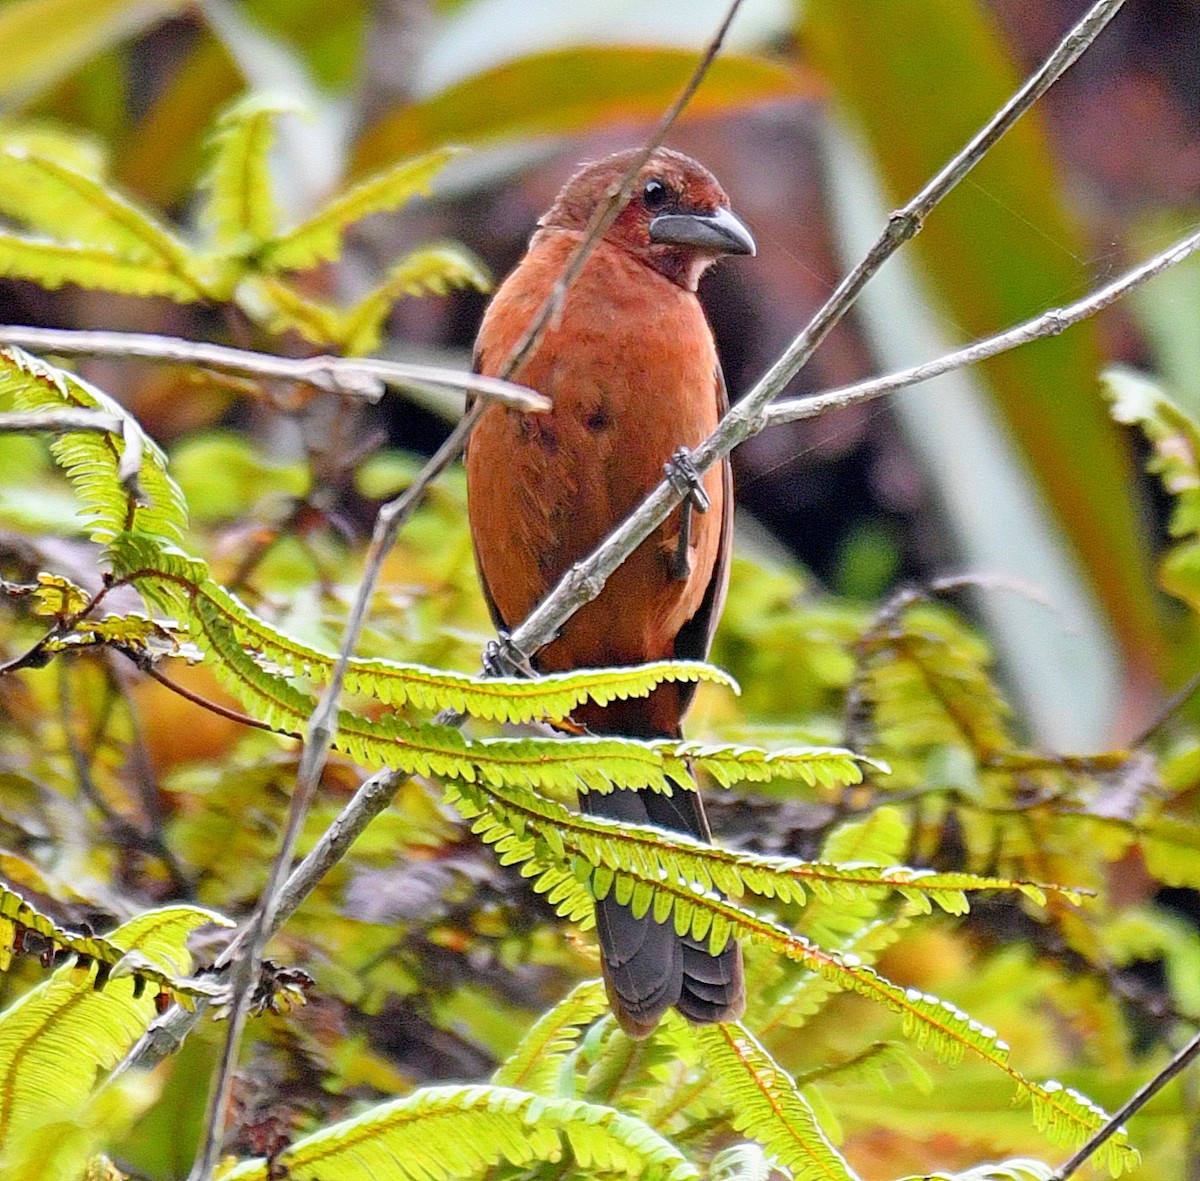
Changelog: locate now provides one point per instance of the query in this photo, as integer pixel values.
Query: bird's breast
(630, 368)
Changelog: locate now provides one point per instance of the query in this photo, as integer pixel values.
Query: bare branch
(1177, 1064)
(1049, 323)
(322, 726)
(167, 1034)
(358, 377)
(60, 421)
(584, 581)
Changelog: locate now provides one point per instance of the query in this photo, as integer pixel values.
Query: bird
(630, 367)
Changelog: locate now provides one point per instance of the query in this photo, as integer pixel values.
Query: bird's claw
(685, 478)
(502, 658)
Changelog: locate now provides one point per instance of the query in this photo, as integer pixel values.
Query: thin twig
(1135, 1104)
(584, 581)
(1168, 710)
(323, 722)
(215, 707)
(1049, 323)
(322, 726)
(359, 377)
(167, 1034)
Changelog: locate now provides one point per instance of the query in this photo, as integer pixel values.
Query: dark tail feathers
(647, 967)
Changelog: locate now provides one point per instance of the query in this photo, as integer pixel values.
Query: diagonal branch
(586, 579)
(1113, 1125)
(167, 1034)
(1049, 323)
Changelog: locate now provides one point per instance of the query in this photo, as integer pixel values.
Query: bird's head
(677, 219)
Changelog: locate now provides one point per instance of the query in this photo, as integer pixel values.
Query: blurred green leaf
(163, 153)
(997, 250)
(44, 40)
(327, 34)
(319, 238)
(569, 90)
(246, 477)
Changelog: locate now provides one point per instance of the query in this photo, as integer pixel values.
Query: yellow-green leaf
(44, 40)
(459, 1133)
(55, 264)
(319, 237)
(567, 90)
(239, 211)
(767, 1105)
(998, 250)
(58, 1038)
(428, 270)
(75, 207)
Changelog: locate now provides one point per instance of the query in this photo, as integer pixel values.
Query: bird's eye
(655, 194)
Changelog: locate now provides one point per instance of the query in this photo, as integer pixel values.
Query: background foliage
(155, 174)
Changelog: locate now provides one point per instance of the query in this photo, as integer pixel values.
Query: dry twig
(357, 377)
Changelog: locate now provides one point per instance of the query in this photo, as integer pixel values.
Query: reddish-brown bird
(632, 371)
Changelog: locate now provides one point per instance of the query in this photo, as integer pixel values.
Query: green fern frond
(935, 1025)
(614, 847)
(173, 580)
(927, 680)
(276, 305)
(162, 573)
(430, 749)
(537, 1061)
(92, 461)
(429, 270)
(1139, 401)
(765, 1104)
(58, 1038)
(880, 1063)
(239, 212)
(552, 697)
(55, 264)
(459, 1133)
(802, 1000)
(741, 1162)
(51, 141)
(76, 208)
(18, 919)
(1069, 1118)
(943, 1029)
(319, 238)
(279, 307)
(880, 837)
(817, 766)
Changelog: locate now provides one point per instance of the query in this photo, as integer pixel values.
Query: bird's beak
(720, 232)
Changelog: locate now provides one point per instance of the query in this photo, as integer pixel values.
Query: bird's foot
(502, 658)
(686, 479)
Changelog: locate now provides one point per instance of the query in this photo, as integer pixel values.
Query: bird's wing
(695, 637)
(497, 619)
